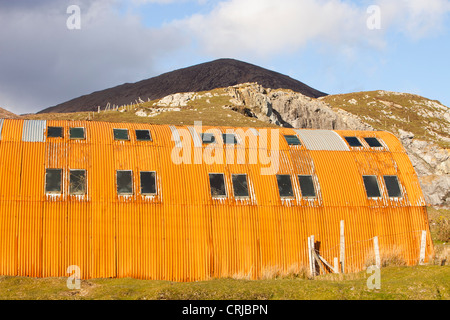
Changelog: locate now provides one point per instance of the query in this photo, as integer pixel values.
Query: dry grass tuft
(442, 227)
(294, 271)
(242, 276)
(441, 255)
(388, 258)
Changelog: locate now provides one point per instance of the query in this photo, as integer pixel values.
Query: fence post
(342, 247)
(336, 265)
(313, 255)
(310, 257)
(376, 248)
(423, 244)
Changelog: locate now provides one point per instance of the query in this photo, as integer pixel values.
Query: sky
(51, 52)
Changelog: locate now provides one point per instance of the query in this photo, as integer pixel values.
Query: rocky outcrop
(291, 109)
(432, 164)
(176, 100)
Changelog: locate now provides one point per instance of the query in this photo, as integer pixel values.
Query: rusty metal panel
(182, 233)
(322, 140)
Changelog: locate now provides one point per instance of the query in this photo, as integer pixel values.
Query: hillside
(5, 114)
(426, 119)
(203, 77)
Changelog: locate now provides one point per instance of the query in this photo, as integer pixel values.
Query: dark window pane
(353, 142)
(371, 184)
(54, 132)
(392, 186)
(76, 133)
(285, 186)
(53, 180)
(148, 182)
(240, 186)
(292, 140)
(207, 138)
(121, 134)
(217, 183)
(307, 186)
(229, 138)
(77, 182)
(373, 142)
(143, 135)
(124, 182)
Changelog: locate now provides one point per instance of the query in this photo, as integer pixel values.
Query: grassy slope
(5, 114)
(390, 111)
(424, 282)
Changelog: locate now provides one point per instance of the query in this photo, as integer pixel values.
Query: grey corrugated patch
(1, 128)
(34, 130)
(322, 140)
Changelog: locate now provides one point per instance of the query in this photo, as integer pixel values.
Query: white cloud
(43, 63)
(266, 27)
(141, 2)
(415, 18)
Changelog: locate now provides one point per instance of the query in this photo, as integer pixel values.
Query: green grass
(418, 283)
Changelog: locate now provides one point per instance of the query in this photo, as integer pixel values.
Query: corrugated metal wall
(182, 233)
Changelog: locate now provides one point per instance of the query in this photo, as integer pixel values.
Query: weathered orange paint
(182, 233)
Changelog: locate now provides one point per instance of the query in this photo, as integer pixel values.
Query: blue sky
(323, 43)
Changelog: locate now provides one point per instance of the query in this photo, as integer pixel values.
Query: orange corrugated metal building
(117, 203)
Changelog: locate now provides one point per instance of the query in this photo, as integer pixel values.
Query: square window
(143, 135)
(124, 182)
(371, 185)
(307, 186)
(77, 182)
(217, 183)
(121, 134)
(373, 142)
(285, 186)
(207, 138)
(353, 142)
(148, 182)
(240, 186)
(392, 186)
(292, 140)
(229, 138)
(55, 132)
(53, 180)
(76, 133)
